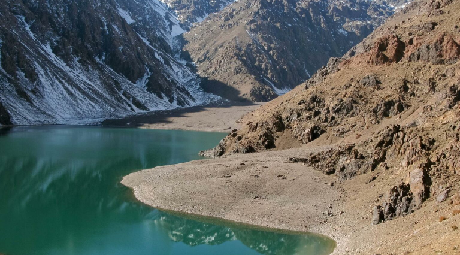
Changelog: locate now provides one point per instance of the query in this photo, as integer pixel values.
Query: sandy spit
(257, 189)
(217, 118)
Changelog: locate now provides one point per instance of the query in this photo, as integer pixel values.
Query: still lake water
(60, 194)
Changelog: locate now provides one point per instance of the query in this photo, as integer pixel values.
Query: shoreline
(195, 118)
(220, 118)
(264, 190)
(232, 223)
(246, 208)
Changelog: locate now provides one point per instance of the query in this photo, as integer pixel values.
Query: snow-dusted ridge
(131, 64)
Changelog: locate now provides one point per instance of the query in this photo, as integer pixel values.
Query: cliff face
(76, 61)
(389, 106)
(260, 49)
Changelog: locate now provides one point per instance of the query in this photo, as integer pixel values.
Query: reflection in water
(4, 130)
(60, 194)
(195, 233)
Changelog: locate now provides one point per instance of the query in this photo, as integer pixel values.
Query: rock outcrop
(403, 199)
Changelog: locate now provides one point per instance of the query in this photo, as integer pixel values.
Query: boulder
(418, 181)
(377, 215)
(370, 80)
(442, 196)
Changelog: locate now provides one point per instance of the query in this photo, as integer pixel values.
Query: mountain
(65, 61)
(389, 108)
(195, 11)
(259, 49)
(74, 62)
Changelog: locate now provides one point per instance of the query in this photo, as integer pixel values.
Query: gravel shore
(264, 189)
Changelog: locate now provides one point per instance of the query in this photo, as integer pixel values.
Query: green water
(60, 194)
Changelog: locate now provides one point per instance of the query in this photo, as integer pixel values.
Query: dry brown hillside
(259, 49)
(390, 107)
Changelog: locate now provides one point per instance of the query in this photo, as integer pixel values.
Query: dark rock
(454, 94)
(5, 118)
(398, 201)
(388, 108)
(247, 149)
(309, 134)
(344, 161)
(345, 107)
(267, 139)
(329, 171)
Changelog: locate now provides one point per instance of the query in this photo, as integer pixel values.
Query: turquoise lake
(60, 193)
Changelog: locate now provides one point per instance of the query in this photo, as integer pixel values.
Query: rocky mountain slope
(389, 108)
(76, 61)
(260, 49)
(193, 11)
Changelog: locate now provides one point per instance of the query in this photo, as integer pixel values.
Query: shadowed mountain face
(264, 48)
(66, 61)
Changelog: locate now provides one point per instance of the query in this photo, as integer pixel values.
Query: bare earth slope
(374, 138)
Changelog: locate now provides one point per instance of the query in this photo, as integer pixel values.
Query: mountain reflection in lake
(60, 194)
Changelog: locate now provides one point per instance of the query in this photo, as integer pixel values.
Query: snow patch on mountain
(190, 12)
(342, 31)
(173, 28)
(177, 30)
(142, 82)
(125, 15)
(22, 20)
(278, 91)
